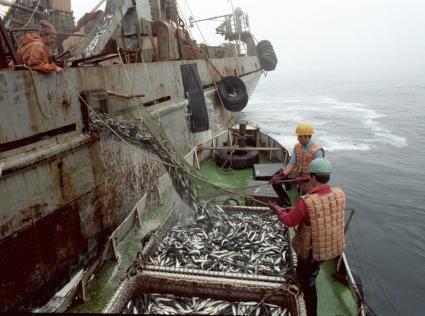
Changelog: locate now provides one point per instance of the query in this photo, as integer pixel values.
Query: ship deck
(334, 298)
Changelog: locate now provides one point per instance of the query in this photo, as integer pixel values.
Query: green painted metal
(334, 298)
(236, 180)
(110, 275)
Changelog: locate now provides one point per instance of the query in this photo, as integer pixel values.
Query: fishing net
(150, 136)
(210, 227)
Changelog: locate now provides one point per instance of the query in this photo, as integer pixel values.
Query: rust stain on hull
(26, 218)
(35, 260)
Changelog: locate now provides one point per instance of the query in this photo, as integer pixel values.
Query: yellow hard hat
(304, 129)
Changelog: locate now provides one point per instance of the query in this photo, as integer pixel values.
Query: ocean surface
(373, 133)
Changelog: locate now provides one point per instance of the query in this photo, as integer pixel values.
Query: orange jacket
(33, 53)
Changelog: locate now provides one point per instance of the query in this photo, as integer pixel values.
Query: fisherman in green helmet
(320, 233)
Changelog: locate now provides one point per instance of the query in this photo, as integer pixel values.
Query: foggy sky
(326, 38)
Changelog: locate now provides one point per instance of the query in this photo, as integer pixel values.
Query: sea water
(373, 133)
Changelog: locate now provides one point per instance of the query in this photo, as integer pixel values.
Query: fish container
(252, 246)
(218, 288)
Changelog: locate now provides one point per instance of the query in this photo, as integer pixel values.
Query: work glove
(279, 177)
(273, 206)
(276, 208)
(302, 180)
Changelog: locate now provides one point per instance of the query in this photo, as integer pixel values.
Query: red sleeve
(295, 216)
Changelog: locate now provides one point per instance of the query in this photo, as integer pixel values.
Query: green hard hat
(320, 166)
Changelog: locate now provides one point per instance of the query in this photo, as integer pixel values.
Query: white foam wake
(340, 125)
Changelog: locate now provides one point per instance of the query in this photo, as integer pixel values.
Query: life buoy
(237, 160)
(233, 93)
(266, 55)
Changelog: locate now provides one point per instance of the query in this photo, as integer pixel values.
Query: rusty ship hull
(62, 189)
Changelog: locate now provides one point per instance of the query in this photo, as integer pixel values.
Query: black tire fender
(233, 93)
(267, 55)
(237, 160)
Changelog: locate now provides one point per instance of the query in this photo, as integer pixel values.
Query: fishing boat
(134, 276)
(64, 189)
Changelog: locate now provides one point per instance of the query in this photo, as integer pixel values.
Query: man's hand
(58, 69)
(279, 177)
(273, 206)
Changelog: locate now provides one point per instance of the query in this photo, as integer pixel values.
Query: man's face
(304, 140)
(313, 181)
(49, 39)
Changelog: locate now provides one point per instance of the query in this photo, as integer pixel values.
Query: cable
(49, 116)
(159, 161)
(132, 87)
(379, 282)
(368, 284)
(209, 62)
(111, 129)
(32, 15)
(146, 71)
(180, 167)
(197, 25)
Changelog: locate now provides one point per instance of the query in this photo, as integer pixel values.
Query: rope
(159, 161)
(368, 283)
(379, 282)
(266, 296)
(112, 130)
(32, 15)
(153, 159)
(232, 151)
(211, 66)
(36, 93)
(140, 112)
(146, 71)
(132, 86)
(176, 164)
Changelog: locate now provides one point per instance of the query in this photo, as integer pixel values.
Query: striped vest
(304, 158)
(303, 163)
(325, 234)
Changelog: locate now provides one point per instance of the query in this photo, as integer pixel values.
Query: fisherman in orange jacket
(304, 152)
(33, 50)
(320, 233)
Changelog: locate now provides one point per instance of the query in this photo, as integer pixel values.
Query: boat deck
(111, 274)
(333, 297)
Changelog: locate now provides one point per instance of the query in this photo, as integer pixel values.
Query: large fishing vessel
(64, 189)
(115, 188)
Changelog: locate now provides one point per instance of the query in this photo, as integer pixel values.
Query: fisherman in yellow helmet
(320, 233)
(304, 152)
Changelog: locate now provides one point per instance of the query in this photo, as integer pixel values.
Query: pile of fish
(242, 243)
(102, 122)
(172, 305)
